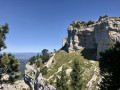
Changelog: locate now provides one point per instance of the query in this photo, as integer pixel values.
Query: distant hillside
(24, 55)
(23, 58)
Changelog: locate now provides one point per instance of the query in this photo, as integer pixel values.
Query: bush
(11, 79)
(44, 71)
(38, 63)
(45, 58)
(32, 60)
(90, 22)
(101, 17)
(37, 74)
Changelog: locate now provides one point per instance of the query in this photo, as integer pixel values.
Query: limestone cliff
(97, 34)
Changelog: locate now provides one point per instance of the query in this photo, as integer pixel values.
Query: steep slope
(91, 76)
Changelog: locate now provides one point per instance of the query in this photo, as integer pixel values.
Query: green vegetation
(44, 52)
(8, 64)
(61, 83)
(90, 22)
(38, 63)
(76, 76)
(101, 17)
(78, 24)
(36, 60)
(109, 68)
(114, 17)
(32, 60)
(45, 58)
(44, 70)
(65, 59)
(45, 55)
(3, 31)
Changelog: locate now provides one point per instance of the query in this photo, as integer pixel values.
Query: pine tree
(76, 77)
(8, 63)
(44, 52)
(61, 83)
(3, 31)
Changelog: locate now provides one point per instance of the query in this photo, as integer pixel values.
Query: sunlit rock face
(97, 35)
(79, 37)
(34, 81)
(106, 30)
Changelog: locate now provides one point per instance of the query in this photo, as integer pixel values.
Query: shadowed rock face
(97, 35)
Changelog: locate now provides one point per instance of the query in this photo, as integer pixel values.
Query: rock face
(35, 79)
(97, 35)
(18, 85)
(106, 30)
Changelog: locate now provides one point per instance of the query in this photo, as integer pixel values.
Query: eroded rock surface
(97, 35)
(35, 80)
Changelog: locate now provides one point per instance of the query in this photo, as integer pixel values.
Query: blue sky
(38, 24)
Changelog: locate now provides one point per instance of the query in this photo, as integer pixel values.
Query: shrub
(90, 22)
(101, 17)
(44, 71)
(77, 25)
(45, 58)
(32, 60)
(38, 63)
(61, 84)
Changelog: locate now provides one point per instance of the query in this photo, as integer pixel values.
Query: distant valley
(23, 58)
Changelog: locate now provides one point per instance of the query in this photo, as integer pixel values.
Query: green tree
(109, 64)
(76, 76)
(4, 29)
(44, 52)
(45, 58)
(90, 22)
(61, 83)
(8, 63)
(105, 16)
(32, 60)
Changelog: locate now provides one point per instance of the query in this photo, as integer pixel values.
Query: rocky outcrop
(97, 35)
(35, 80)
(106, 30)
(79, 37)
(18, 85)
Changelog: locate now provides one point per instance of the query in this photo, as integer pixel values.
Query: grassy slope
(89, 67)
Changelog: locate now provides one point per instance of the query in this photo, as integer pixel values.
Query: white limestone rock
(97, 36)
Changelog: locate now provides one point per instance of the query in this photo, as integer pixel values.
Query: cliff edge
(92, 34)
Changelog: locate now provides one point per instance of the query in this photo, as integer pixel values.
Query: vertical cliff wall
(106, 30)
(92, 34)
